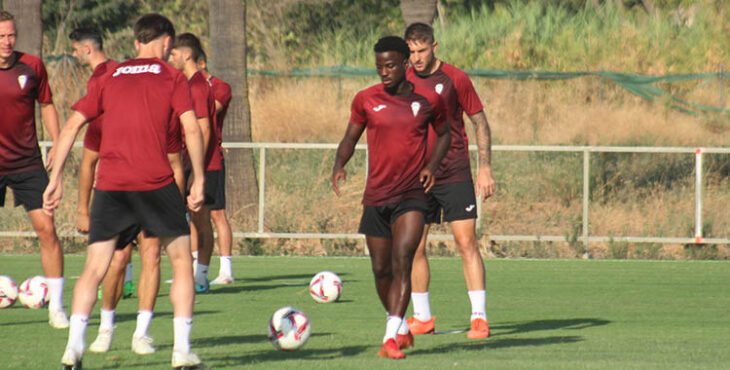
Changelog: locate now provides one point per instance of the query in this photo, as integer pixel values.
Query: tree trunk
(423, 11)
(28, 23)
(227, 25)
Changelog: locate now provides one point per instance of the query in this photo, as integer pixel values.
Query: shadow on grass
(530, 326)
(237, 339)
(12, 323)
(307, 277)
(496, 344)
(279, 356)
(132, 316)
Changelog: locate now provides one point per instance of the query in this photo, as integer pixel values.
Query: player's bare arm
(486, 186)
(178, 173)
(49, 116)
(204, 124)
(54, 191)
(344, 153)
(218, 106)
(440, 148)
(86, 182)
(194, 143)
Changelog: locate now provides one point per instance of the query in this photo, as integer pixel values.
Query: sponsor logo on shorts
(379, 107)
(470, 208)
(134, 70)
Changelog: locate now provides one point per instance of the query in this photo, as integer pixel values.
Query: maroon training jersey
(20, 86)
(137, 100)
(92, 138)
(397, 127)
(458, 96)
(222, 94)
(204, 107)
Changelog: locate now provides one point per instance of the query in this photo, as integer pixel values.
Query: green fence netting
(640, 85)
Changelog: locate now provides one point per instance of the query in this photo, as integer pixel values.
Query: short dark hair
(202, 57)
(419, 32)
(87, 34)
(151, 26)
(392, 43)
(188, 40)
(6, 16)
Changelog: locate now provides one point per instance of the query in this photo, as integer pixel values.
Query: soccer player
(88, 50)
(135, 187)
(397, 117)
(453, 193)
(222, 95)
(23, 80)
(186, 51)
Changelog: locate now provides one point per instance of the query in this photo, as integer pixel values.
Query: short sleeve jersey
(204, 107)
(222, 94)
(137, 100)
(20, 86)
(397, 127)
(92, 138)
(458, 96)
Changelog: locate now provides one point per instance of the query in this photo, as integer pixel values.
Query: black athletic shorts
(215, 188)
(28, 188)
(159, 213)
(457, 201)
(377, 221)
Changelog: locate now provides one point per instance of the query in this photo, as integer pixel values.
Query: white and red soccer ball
(33, 292)
(325, 287)
(289, 329)
(8, 291)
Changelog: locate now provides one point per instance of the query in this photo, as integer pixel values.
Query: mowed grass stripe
(543, 314)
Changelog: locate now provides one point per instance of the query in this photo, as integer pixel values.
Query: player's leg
(148, 287)
(98, 257)
(380, 249)
(407, 232)
(473, 268)
(52, 264)
(225, 242)
(182, 294)
(422, 322)
(111, 294)
(202, 224)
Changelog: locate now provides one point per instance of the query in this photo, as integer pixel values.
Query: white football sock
(391, 327)
(225, 268)
(107, 320)
(128, 276)
(55, 293)
(403, 330)
(421, 306)
(76, 332)
(182, 327)
(201, 275)
(143, 323)
(478, 300)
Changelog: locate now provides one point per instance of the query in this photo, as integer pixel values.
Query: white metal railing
(586, 238)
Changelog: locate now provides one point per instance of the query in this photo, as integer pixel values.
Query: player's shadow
(236, 339)
(278, 356)
(292, 281)
(537, 325)
(497, 344)
(305, 277)
(23, 322)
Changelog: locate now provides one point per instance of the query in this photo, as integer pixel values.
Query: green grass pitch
(553, 314)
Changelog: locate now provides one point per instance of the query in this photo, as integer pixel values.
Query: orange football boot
(390, 350)
(404, 340)
(417, 326)
(479, 329)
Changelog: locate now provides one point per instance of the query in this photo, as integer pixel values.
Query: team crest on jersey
(22, 80)
(439, 88)
(379, 107)
(415, 106)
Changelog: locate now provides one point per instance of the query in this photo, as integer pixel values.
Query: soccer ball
(8, 291)
(325, 287)
(289, 329)
(34, 292)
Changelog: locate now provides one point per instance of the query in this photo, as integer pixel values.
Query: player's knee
(382, 272)
(46, 233)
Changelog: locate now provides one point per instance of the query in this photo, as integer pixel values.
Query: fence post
(698, 195)
(586, 197)
(262, 187)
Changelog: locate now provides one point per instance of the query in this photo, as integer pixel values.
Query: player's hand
(82, 223)
(49, 158)
(337, 175)
(52, 196)
(196, 197)
(427, 180)
(485, 183)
